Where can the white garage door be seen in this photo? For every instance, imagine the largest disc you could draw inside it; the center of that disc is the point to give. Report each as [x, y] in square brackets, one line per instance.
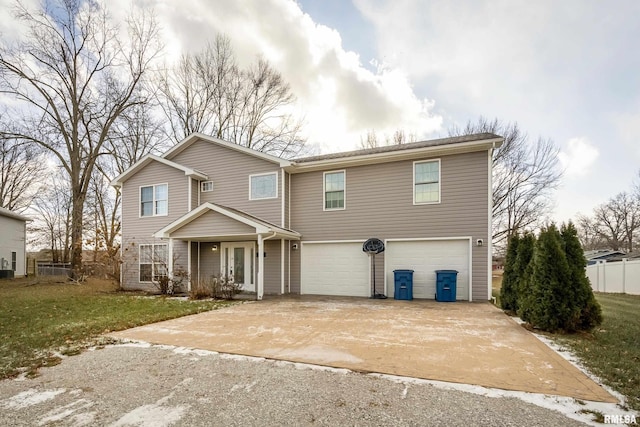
[334, 269]
[424, 257]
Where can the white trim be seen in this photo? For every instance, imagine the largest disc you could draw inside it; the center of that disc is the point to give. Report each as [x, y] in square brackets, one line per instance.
[170, 259]
[289, 204]
[188, 265]
[260, 284]
[435, 239]
[249, 250]
[289, 267]
[202, 183]
[282, 193]
[185, 143]
[189, 190]
[120, 179]
[282, 266]
[263, 174]
[324, 190]
[199, 254]
[153, 201]
[439, 182]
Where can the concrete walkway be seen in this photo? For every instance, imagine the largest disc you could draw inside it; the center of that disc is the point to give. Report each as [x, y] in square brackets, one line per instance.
[471, 343]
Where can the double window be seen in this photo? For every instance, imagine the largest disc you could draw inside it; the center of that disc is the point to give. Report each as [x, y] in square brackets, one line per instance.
[426, 182]
[334, 190]
[153, 262]
[263, 186]
[154, 200]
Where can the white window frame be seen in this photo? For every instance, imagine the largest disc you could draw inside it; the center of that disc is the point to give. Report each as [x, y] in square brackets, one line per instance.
[154, 212]
[153, 261]
[439, 181]
[204, 184]
[263, 174]
[324, 191]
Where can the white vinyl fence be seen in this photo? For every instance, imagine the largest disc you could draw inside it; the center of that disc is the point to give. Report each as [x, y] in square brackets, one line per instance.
[615, 277]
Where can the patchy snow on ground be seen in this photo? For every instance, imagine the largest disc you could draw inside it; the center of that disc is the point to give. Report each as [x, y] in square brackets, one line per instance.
[154, 415]
[30, 397]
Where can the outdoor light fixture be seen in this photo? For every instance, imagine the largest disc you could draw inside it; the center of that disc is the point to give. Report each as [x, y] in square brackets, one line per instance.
[214, 248]
[294, 246]
[479, 242]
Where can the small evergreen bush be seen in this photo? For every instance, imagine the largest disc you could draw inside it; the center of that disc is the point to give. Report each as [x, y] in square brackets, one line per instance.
[590, 313]
[524, 266]
[508, 291]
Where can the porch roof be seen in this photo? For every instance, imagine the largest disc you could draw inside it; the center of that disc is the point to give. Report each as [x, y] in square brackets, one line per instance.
[250, 226]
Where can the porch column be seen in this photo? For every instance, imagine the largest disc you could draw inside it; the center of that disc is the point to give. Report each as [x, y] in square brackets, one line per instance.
[260, 289]
[170, 259]
[189, 265]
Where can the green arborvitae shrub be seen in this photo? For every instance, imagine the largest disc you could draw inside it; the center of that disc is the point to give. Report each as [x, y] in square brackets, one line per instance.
[589, 314]
[508, 291]
[524, 266]
[551, 305]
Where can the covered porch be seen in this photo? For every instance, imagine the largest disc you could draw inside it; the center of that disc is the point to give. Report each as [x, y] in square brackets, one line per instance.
[222, 241]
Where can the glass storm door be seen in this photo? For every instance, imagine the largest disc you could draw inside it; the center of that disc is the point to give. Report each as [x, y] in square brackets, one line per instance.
[237, 262]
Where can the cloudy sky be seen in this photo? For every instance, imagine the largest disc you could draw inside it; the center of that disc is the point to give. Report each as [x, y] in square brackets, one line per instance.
[564, 70]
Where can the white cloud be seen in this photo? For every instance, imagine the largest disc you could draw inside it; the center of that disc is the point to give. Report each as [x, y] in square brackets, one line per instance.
[340, 98]
[577, 157]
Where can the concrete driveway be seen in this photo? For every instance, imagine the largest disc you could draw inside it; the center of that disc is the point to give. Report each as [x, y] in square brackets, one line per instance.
[471, 343]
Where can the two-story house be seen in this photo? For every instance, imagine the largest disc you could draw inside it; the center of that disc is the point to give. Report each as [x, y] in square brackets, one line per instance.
[209, 207]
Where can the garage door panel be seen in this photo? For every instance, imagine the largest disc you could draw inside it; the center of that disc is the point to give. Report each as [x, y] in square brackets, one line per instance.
[334, 269]
[425, 257]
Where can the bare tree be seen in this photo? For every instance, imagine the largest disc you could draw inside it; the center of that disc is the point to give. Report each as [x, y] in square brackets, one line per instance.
[133, 135]
[21, 168]
[589, 235]
[399, 136]
[53, 220]
[524, 176]
[615, 222]
[208, 92]
[73, 77]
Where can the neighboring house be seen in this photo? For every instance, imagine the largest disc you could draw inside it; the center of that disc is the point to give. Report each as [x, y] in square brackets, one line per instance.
[602, 255]
[13, 237]
[210, 207]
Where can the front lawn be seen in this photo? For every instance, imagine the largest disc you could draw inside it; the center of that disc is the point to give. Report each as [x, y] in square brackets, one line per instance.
[612, 351]
[39, 317]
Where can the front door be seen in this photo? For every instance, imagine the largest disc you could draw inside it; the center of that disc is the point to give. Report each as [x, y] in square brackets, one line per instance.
[237, 261]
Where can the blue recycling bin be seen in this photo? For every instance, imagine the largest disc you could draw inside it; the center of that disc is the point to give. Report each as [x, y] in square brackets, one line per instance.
[403, 281]
[446, 283]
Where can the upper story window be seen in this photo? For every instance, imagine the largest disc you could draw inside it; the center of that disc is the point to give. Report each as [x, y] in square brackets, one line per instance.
[426, 182]
[154, 200]
[334, 190]
[206, 186]
[263, 186]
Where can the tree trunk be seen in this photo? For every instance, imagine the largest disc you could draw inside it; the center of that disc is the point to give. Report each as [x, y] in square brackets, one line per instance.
[77, 223]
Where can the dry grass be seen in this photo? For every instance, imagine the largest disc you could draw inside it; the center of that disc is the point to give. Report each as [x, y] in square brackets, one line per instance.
[45, 316]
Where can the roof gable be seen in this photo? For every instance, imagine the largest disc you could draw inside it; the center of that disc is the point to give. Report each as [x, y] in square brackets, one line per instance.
[188, 141]
[136, 167]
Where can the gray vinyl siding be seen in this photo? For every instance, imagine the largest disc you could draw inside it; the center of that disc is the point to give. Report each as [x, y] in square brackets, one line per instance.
[212, 223]
[229, 170]
[137, 230]
[209, 260]
[379, 203]
[272, 267]
[295, 270]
